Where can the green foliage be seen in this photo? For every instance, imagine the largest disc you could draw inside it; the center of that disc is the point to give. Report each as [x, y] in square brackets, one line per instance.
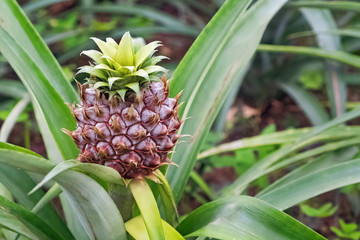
[311, 79]
[347, 230]
[325, 210]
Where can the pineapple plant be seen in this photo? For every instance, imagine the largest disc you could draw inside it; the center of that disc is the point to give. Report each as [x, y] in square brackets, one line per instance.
[126, 119]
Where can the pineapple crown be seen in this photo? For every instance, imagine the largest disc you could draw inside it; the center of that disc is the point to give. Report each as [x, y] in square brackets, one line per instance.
[124, 67]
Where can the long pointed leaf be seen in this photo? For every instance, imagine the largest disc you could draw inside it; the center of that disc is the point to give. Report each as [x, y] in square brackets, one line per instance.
[322, 20]
[309, 104]
[260, 167]
[311, 185]
[351, 59]
[56, 113]
[244, 218]
[33, 223]
[234, 37]
[316, 164]
[93, 204]
[334, 5]
[19, 27]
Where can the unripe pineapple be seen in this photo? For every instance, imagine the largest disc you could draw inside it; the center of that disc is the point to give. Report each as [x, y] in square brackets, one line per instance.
[126, 119]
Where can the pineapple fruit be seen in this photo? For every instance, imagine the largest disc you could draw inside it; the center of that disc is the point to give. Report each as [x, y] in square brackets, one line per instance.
[126, 120]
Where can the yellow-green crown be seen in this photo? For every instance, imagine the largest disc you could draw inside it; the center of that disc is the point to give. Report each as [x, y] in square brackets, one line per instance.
[123, 67]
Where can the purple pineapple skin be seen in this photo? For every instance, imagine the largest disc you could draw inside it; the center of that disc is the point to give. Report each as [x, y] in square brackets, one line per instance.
[133, 136]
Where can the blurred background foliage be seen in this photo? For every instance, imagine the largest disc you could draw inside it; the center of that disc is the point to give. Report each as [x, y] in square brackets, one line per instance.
[304, 73]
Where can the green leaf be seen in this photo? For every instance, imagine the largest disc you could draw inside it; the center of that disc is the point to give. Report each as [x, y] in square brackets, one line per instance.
[308, 103]
[21, 158]
[92, 71]
[124, 53]
[12, 88]
[56, 113]
[137, 229]
[314, 184]
[53, 192]
[348, 32]
[134, 86]
[351, 59]
[106, 49]
[95, 209]
[100, 84]
[260, 167]
[35, 5]
[23, 34]
[52, 150]
[316, 164]
[348, 230]
[145, 52]
[322, 20]
[105, 173]
[10, 212]
[92, 204]
[149, 211]
[245, 218]
[10, 121]
[202, 184]
[94, 55]
[123, 198]
[149, 12]
[325, 210]
[332, 146]
[111, 80]
[211, 68]
[140, 73]
[333, 5]
[170, 209]
[347, 227]
[277, 138]
[19, 183]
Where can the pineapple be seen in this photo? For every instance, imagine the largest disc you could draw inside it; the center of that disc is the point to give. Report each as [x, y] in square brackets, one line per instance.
[126, 120]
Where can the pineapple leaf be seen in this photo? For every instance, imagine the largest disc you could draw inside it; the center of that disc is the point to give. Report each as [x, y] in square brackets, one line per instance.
[112, 80]
[112, 62]
[92, 71]
[123, 71]
[102, 172]
[134, 86]
[11, 213]
[153, 61]
[145, 52]
[154, 69]
[224, 219]
[112, 42]
[124, 53]
[141, 73]
[214, 66]
[94, 55]
[122, 93]
[106, 49]
[104, 67]
[155, 79]
[100, 84]
[138, 43]
[112, 94]
[53, 192]
[170, 209]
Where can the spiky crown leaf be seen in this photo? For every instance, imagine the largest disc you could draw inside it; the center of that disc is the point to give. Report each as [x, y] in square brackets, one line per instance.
[123, 67]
